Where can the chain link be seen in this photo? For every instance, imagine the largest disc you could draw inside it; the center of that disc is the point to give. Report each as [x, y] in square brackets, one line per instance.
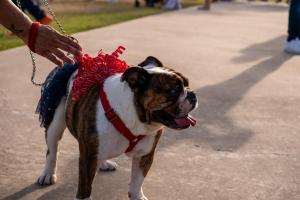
[34, 70]
[46, 4]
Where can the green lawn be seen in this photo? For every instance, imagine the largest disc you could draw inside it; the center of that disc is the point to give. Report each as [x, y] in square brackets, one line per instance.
[77, 16]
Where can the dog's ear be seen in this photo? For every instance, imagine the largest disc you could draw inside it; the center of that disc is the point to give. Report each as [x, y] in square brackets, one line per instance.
[136, 77]
[151, 61]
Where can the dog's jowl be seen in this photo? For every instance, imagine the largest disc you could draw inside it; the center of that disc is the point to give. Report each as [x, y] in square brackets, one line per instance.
[126, 113]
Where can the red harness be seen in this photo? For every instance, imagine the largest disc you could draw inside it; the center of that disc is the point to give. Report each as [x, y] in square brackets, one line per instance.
[94, 71]
[113, 117]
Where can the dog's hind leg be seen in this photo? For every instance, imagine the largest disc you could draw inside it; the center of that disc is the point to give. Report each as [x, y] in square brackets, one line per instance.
[87, 169]
[53, 134]
[87, 137]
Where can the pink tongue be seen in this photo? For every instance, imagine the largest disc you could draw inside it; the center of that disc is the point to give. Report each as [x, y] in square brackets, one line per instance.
[185, 121]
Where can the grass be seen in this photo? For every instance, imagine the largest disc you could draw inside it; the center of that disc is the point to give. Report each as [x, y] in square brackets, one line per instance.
[77, 16]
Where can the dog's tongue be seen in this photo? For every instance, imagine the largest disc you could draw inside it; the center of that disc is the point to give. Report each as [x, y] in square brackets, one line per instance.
[185, 121]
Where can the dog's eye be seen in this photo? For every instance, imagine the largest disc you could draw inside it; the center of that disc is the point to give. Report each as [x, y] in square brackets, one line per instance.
[175, 91]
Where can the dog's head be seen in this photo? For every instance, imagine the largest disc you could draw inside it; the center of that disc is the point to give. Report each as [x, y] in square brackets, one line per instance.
[161, 94]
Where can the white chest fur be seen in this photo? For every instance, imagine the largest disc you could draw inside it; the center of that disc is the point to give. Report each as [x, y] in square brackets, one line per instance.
[111, 142]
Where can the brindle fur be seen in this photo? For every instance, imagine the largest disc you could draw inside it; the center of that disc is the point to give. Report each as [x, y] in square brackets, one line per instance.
[81, 121]
[147, 160]
[184, 79]
[156, 97]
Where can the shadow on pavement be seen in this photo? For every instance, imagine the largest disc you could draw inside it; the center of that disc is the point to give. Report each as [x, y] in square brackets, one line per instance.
[65, 191]
[23, 192]
[215, 127]
[107, 185]
[262, 50]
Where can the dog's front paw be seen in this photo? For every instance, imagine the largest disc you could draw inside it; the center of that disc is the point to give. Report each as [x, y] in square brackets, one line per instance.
[47, 179]
[137, 197]
[108, 165]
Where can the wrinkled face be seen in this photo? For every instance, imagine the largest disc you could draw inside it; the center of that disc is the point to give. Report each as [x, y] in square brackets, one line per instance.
[161, 94]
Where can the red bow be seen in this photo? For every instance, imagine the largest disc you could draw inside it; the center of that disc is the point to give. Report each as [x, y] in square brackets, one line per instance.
[95, 70]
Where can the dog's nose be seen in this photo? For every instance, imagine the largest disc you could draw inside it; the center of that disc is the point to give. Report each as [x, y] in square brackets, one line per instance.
[192, 97]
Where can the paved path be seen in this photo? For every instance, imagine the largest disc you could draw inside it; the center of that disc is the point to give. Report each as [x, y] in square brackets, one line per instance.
[247, 144]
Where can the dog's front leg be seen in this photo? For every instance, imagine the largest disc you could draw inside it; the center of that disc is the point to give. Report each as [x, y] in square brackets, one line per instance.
[140, 169]
[137, 179]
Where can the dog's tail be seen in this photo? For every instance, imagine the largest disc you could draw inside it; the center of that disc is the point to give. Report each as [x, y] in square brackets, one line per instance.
[53, 90]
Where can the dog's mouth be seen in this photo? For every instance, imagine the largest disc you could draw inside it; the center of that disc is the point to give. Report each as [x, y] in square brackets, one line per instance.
[185, 121]
[174, 122]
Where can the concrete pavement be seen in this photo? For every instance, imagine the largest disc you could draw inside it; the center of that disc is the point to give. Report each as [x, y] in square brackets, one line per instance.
[246, 145]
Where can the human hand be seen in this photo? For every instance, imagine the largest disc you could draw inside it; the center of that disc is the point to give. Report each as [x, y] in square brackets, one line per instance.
[50, 44]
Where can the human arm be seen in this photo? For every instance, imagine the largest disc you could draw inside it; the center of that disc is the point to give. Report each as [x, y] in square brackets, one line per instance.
[49, 43]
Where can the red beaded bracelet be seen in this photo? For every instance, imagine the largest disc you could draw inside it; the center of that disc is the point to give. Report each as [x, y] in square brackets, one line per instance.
[32, 35]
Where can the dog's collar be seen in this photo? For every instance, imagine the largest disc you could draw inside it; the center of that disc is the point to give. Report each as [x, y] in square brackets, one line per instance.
[117, 122]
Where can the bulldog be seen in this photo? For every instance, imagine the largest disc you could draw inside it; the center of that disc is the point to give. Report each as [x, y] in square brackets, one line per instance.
[144, 99]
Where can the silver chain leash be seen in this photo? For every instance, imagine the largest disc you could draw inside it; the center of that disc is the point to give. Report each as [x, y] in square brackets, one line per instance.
[34, 70]
[50, 11]
[33, 60]
[46, 4]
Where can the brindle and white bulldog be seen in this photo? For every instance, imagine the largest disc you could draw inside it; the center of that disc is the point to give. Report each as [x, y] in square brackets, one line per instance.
[147, 98]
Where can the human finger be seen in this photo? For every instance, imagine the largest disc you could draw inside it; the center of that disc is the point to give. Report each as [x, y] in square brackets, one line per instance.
[58, 53]
[64, 46]
[52, 58]
[70, 41]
